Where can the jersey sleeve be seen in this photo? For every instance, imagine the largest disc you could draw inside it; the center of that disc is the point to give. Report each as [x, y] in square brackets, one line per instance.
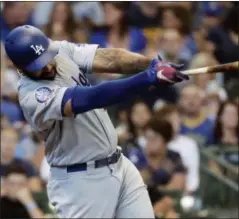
[43, 105]
[83, 55]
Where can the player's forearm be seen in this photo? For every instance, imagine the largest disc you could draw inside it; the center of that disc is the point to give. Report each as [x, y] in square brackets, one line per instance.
[119, 61]
[81, 99]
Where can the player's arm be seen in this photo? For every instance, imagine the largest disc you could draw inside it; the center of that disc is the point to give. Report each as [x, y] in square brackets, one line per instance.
[121, 61]
[81, 99]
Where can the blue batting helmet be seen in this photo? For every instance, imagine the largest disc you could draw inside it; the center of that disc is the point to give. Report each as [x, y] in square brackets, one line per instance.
[29, 49]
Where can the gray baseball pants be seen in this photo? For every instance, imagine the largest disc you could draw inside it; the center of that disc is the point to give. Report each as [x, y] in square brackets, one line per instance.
[115, 191]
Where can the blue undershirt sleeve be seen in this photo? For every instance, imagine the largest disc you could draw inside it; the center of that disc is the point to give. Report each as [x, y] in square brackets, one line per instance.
[106, 94]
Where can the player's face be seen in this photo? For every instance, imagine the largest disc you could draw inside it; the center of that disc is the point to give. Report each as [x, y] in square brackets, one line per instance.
[47, 73]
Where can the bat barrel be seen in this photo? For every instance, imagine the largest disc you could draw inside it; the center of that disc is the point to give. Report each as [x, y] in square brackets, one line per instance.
[213, 69]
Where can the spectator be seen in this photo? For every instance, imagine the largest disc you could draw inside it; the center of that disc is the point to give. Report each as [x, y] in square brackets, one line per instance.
[177, 17]
[226, 136]
[29, 145]
[207, 82]
[226, 130]
[139, 115]
[180, 18]
[171, 45]
[212, 13]
[11, 110]
[163, 169]
[41, 13]
[14, 14]
[117, 32]
[9, 78]
[9, 140]
[212, 104]
[122, 128]
[62, 25]
[9, 99]
[165, 4]
[232, 90]
[225, 40]
[195, 121]
[3, 64]
[17, 201]
[144, 15]
[189, 151]
[89, 10]
[4, 122]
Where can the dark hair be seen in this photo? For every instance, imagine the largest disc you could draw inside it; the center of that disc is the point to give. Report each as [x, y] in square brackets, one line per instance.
[124, 21]
[166, 110]
[230, 20]
[70, 23]
[132, 128]
[185, 17]
[162, 127]
[218, 124]
[15, 168]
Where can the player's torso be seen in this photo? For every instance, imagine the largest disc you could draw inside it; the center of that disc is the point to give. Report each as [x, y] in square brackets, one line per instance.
[88, 136]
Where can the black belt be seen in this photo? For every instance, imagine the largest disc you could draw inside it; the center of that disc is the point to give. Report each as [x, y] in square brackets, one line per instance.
[97, 164]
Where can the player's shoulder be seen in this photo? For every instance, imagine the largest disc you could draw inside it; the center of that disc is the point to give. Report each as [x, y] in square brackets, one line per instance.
[26, 84]
[29, 89]
[64, 46]
[69, 46]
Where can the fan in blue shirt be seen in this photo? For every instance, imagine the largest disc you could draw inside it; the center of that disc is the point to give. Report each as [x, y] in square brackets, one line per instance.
[117, 32]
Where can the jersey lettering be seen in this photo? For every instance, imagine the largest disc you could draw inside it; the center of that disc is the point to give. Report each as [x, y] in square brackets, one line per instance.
[38, 49]
[81, 80]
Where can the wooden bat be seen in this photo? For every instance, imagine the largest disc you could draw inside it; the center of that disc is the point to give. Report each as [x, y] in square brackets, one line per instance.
[232, 66]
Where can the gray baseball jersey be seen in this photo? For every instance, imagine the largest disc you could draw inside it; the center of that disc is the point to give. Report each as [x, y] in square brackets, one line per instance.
[68, 140]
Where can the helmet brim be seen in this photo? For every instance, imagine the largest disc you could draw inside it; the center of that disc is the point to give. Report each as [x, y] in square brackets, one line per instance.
[44, 59]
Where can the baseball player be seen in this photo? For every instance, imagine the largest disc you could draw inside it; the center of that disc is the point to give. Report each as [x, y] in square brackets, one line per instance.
[90, 178]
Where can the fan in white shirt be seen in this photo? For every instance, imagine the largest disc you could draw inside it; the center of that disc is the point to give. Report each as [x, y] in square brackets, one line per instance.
[185, 146]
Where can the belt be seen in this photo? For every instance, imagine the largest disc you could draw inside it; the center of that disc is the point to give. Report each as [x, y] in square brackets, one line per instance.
[97, 164]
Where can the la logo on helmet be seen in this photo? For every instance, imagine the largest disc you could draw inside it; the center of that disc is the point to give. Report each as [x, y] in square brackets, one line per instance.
[38, 49]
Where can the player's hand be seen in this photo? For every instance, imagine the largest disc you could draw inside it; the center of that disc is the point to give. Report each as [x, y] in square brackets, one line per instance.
[166, 72]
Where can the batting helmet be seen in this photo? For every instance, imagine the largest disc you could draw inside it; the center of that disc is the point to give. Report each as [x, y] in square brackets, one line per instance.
[29, 49]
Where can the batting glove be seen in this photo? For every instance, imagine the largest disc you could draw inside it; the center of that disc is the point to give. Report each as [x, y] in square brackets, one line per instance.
[165, 72]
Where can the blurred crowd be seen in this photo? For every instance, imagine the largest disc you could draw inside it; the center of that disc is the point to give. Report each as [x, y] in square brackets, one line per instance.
[161, 132]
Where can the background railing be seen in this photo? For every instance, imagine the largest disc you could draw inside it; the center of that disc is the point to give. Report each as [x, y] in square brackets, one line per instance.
[219, 190]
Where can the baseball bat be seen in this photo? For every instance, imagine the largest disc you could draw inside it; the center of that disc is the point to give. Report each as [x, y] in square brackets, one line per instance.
[232, 66]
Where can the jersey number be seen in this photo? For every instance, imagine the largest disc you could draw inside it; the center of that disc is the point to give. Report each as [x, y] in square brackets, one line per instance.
[82, 80]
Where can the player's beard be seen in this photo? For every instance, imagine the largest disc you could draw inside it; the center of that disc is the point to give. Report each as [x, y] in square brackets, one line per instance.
[44, 76]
